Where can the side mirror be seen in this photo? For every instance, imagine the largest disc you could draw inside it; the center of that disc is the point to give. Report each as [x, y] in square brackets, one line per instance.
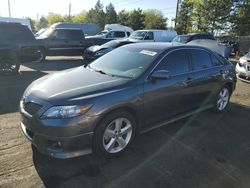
[160, 75]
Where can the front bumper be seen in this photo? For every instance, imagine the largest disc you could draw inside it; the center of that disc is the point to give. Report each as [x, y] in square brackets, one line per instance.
[59, 138]
[243, 72]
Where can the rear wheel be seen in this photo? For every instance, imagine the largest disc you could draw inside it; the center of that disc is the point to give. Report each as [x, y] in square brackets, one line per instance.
[222, 100]
[114, 134]
[9, 63]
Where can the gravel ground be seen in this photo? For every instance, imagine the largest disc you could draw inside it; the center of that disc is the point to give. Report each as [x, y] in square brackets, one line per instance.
[206, 150]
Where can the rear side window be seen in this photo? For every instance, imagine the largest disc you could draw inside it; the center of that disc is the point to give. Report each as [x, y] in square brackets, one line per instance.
[14, 33]
[74, 34]
[116, 34]
[149, 36]
[200, 59]
[216, 61]
[176, 63]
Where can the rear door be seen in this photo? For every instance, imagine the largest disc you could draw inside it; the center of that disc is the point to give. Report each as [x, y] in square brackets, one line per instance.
[164, 99]
[57, 43]
[75, 41]
[207, 74]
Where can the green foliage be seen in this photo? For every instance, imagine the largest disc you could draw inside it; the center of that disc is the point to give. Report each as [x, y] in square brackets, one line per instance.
[123, 17]
[136, 19]
[241, 18]
[54, 18]
[154, 19]
[42, 23]
[79, 18]
[111, 15]
[96, 15]
[184, 17]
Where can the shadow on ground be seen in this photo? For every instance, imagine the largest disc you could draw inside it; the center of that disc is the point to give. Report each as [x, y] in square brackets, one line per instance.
[206, 150]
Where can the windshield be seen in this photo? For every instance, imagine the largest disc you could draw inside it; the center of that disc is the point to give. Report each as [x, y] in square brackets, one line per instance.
[181, 39]
[46, 33]
[110, 44]
[138, 35]
[124, 62]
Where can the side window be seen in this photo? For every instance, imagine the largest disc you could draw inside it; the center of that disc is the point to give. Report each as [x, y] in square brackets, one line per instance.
[119, 34]
[149, 36]
[216, 61]
[200, 59]
[74, 34]
[59, 34]
[128, 34]
[176, 63]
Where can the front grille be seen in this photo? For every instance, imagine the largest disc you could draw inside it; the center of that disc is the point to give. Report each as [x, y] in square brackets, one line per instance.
[31, 108]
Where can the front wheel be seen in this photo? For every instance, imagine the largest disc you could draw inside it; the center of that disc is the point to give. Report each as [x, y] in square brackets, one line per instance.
[114, 134]
[222, 100]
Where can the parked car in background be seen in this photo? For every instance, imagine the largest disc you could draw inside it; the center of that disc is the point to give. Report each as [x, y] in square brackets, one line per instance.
[193, 36]
[96, 51]
[152, 36]
[133, 89]
[87, 28]
[17, 45]
[61, 42]
[243, 68]
[113, 31]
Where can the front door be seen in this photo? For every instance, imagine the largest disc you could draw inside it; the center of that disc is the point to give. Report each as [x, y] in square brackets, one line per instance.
[165, 99]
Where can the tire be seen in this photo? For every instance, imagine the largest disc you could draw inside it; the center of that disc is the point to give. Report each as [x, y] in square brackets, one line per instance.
[10, 63]
[42, 55]
[222, 99]
[114, 133]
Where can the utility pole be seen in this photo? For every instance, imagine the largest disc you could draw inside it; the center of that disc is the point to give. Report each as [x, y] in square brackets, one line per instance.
[9, 8]
[69, 10]
[177, 11]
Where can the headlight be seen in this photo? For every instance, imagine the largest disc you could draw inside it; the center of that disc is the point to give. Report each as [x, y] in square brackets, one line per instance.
[99, 53]
[59, 112]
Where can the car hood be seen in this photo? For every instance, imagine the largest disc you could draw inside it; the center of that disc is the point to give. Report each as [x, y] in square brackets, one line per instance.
[94, 48]
[72, 84]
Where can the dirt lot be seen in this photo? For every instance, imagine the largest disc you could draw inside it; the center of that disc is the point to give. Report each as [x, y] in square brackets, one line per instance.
[207, 150]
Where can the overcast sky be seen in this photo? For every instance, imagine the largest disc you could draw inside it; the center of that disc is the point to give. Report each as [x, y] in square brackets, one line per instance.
[32, 8]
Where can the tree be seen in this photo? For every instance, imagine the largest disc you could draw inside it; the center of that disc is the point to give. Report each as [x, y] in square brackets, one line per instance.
[79, 18]
[154, 19]
[211, 15]
[96, 15]
[184, 17]
[42, 23]
[241, 18]
[54, 18]
[136, 19]
[32, 24]
[111, 15]
[122, 17]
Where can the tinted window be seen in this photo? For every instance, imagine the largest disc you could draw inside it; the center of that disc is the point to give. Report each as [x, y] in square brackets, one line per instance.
[13, 33]
[200, 59]
[74, 34]
[59, 34]
[128, 34]
[215, 60]
[116, 34]
[176, 63]
[149, 36]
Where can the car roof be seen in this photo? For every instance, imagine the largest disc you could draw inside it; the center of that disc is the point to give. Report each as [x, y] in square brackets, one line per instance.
[77, 29]
[163, 46]
[10, 23]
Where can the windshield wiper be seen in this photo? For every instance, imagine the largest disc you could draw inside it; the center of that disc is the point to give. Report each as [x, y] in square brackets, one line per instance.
[100, 71]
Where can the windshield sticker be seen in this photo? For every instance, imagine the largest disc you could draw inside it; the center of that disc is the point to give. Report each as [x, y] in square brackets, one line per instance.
[147, 52]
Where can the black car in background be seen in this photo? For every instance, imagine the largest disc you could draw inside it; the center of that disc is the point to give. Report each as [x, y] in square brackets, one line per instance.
[96, 51]
[17, 44]
[61, 42]
[132, 89]
[193, 36]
